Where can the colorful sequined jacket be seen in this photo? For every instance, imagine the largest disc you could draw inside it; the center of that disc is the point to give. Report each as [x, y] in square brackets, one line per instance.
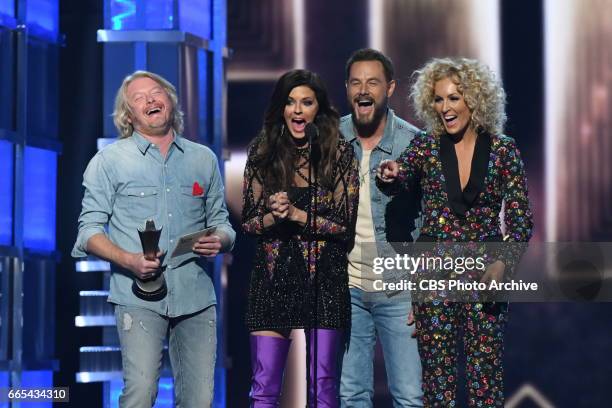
[449, 214]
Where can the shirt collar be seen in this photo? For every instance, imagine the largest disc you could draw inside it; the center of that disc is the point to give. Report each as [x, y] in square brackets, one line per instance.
[351, 135]
[179, 142]
[143, 144]
[386, 143]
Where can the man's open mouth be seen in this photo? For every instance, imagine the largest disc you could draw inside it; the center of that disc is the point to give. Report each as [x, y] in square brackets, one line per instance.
[365, 106]
[365, 102]
[153, 110]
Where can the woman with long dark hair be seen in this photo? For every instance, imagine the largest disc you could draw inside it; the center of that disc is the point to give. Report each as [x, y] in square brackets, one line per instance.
[470, 173]
[303, 223]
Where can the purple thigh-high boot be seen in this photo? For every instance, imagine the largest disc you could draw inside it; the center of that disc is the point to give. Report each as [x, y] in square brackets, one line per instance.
[325, 343]
[268, 359]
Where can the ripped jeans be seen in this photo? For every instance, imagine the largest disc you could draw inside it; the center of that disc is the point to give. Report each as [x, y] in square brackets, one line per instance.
[192, 346]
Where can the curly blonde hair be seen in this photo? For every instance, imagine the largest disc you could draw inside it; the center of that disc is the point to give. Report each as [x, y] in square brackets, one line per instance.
[482, 91]
[123, 111]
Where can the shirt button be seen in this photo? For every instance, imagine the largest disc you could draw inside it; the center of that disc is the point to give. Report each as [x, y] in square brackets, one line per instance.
[141, 193]
[170, 215]
[171, 241]
[168, 190]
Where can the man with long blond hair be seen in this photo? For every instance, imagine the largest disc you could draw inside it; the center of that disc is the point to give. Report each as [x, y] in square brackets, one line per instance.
[152, 173]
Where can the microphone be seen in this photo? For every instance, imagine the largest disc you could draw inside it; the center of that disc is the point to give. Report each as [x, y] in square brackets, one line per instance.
[312, 134]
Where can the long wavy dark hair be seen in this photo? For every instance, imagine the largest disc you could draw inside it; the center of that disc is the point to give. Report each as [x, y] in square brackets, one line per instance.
[276, 154]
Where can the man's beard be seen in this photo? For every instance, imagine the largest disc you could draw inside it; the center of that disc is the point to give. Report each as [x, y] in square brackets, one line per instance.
[367, 129]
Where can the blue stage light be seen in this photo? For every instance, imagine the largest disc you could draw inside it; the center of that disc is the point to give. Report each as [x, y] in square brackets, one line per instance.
[122, 11]
[40, 184]
[194, 16]
[44, 14]
[140, 15]
[37, 379]
[7, 7]
[6, 193]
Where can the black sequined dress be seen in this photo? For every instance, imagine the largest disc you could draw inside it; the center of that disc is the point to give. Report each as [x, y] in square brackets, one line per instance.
[287, 289]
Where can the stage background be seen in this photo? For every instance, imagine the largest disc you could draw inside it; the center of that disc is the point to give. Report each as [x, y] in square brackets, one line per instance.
[556, 69]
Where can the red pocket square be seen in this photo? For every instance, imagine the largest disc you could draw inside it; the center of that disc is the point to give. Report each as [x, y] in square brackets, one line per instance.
[197, 189]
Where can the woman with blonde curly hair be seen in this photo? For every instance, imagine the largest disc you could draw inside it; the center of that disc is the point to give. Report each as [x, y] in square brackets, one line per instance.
[466, 169]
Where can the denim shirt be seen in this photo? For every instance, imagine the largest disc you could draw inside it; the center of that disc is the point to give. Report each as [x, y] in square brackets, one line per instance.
[129, 182]
[395, 219]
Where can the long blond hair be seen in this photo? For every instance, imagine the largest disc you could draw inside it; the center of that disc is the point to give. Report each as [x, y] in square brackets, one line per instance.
[122, 112]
